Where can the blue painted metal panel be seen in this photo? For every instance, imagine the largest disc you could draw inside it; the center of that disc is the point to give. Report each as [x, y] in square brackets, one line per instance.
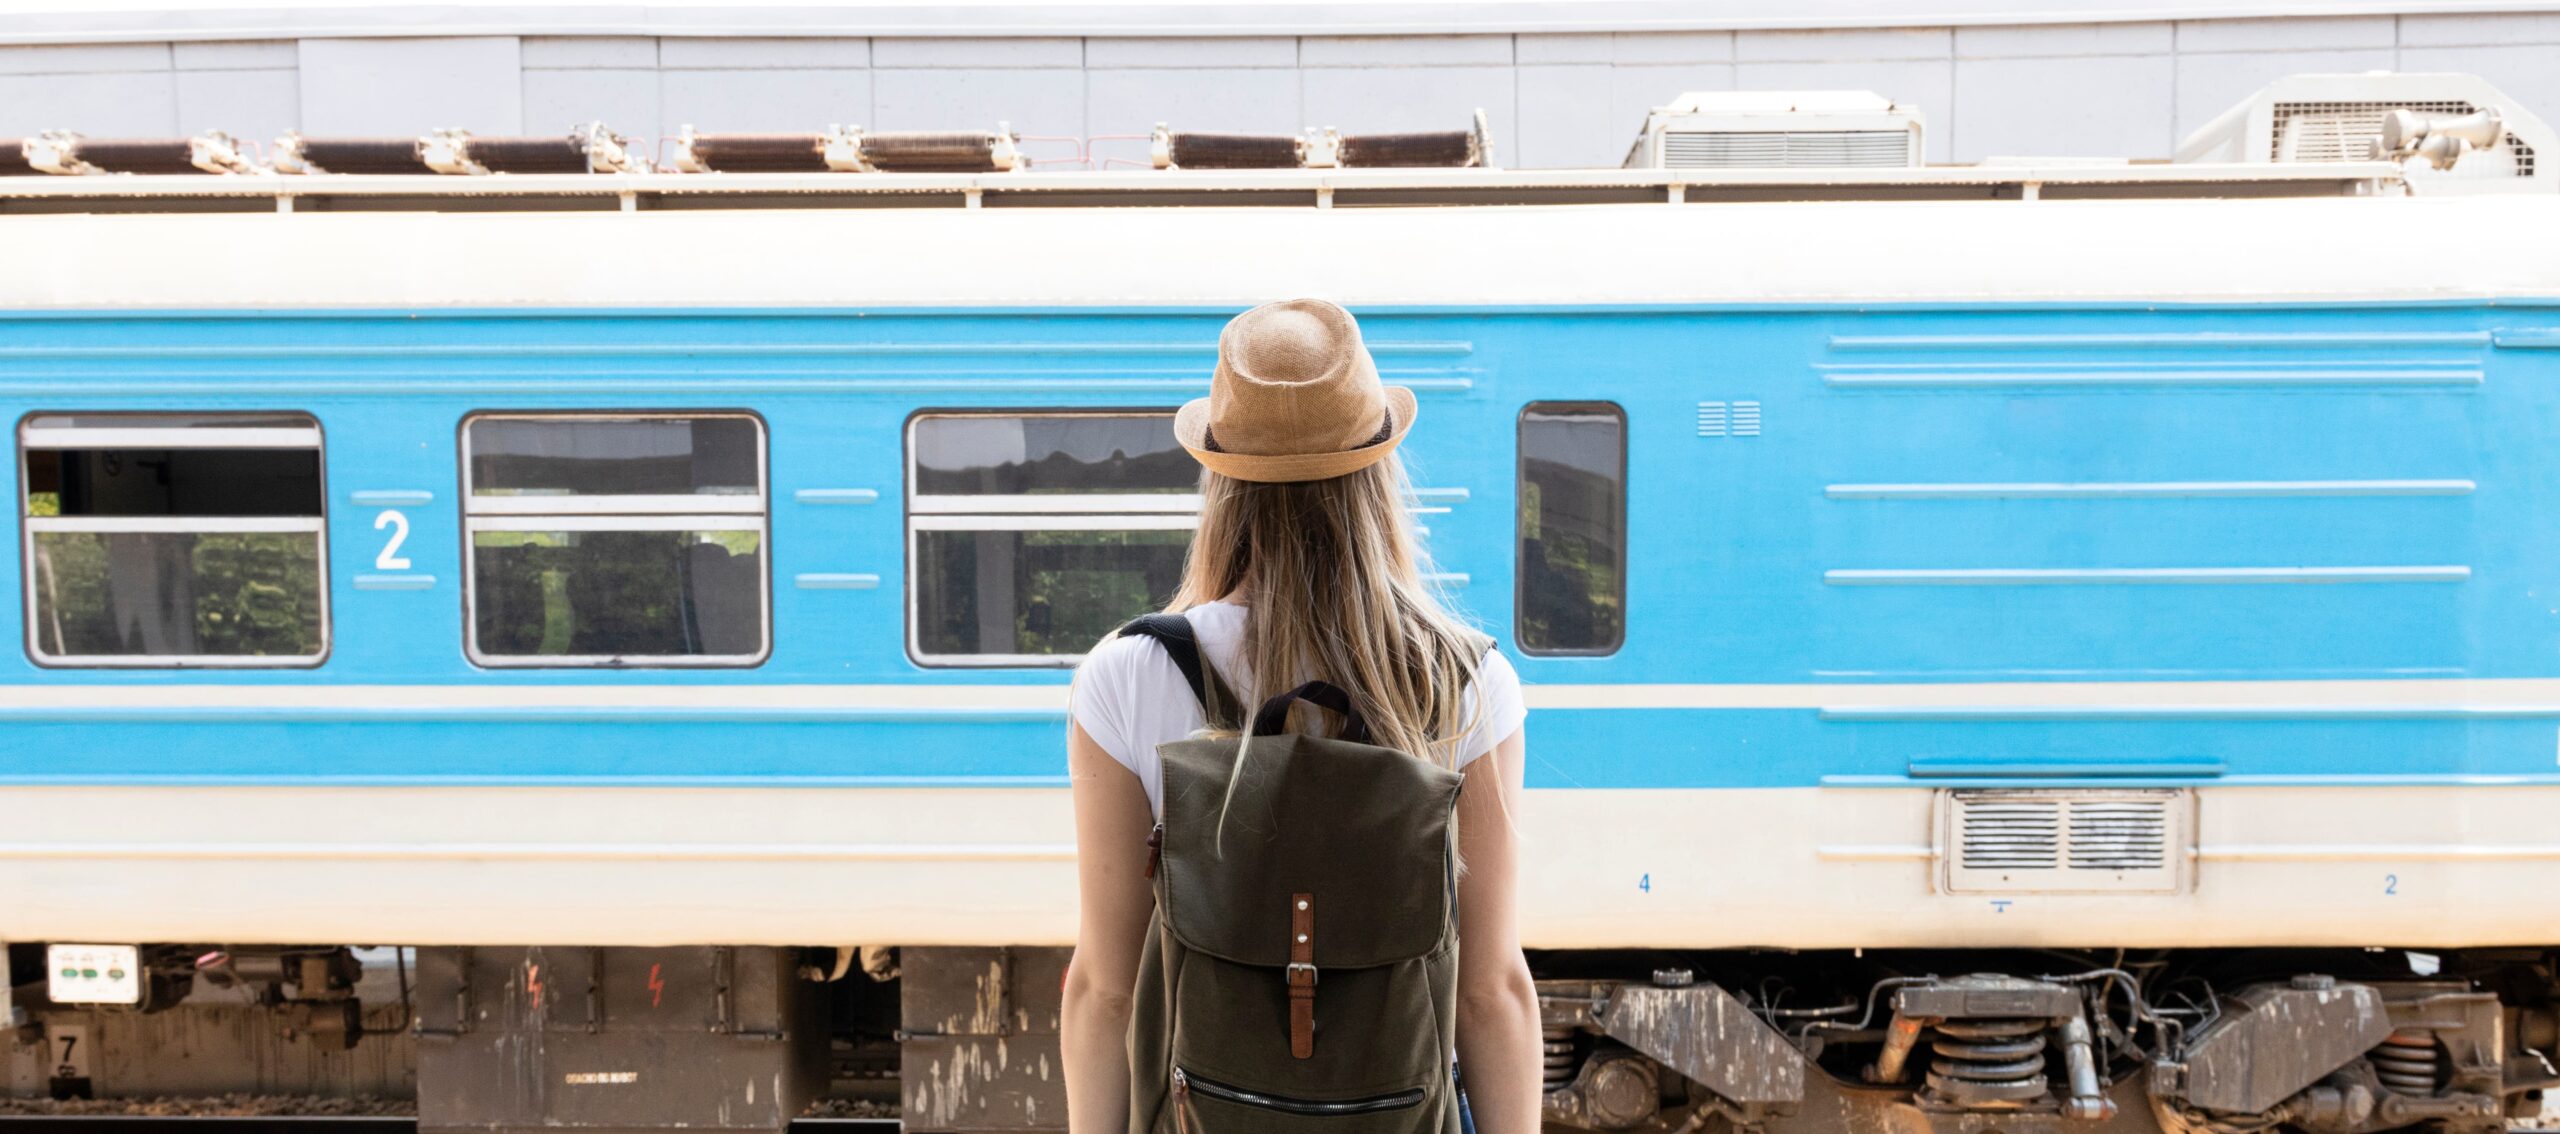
[2381, 475]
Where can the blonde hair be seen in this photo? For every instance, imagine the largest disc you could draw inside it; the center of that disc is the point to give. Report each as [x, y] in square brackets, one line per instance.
[1333, 580]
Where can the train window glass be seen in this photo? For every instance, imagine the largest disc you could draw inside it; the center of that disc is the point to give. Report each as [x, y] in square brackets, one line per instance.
[1034, 534]
[634, 459]
[168, 540]
[1573, 528]
[616, 539]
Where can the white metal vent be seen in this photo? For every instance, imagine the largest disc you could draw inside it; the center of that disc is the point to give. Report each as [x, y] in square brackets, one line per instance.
[1785, 149]
[1779, 130]
[1728, 419]
[2065, 840]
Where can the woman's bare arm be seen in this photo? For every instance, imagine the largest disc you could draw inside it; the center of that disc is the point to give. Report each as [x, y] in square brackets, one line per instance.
[1498, 1048]
[1112, 821]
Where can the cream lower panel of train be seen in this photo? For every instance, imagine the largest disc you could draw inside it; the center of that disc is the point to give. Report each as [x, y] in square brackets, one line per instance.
[1807, 868]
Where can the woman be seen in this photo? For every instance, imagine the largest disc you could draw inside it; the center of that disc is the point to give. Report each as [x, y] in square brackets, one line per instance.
[1304, 567]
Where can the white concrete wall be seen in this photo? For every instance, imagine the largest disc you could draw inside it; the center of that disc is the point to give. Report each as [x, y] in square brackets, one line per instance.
[2117, 89]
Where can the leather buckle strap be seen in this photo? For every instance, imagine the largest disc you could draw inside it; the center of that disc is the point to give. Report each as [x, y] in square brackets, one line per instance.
[1302, 975]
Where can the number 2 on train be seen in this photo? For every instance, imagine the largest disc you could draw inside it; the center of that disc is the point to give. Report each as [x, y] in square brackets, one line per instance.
[391, 559]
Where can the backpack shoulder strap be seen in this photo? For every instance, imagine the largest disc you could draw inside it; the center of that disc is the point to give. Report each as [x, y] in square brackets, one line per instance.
[1173, 632]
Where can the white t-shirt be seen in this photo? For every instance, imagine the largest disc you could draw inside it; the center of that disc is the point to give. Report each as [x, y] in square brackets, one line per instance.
[1130, 698]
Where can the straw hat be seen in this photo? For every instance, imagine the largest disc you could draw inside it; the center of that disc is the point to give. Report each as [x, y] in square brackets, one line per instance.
[1295, 397]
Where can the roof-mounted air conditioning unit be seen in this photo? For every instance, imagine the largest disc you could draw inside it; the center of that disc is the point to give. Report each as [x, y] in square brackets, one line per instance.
[1779, 130]
[2452, 132]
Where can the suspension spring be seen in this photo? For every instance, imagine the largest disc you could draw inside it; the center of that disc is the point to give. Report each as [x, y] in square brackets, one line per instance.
[2410, 1062]
[1988, 1063]
[1561, 1066]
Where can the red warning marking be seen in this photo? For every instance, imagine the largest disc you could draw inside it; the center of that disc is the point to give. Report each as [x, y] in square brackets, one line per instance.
[533, 983]
[657, 987]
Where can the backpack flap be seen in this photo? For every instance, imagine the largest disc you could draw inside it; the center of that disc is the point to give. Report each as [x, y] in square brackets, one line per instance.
[1359, 833]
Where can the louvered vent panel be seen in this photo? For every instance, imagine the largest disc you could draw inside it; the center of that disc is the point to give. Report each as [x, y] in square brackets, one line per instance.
[2119, 834]
[2010, 834]
[1746, 419]
[1785, 149]
[1714, 420]
[1728, 419]
[2065, 841]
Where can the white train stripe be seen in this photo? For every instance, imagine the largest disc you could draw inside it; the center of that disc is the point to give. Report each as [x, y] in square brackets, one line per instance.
[2410, 694]
[672, 852]
[2201, 251]
[2255, 852]
[553, 852]
[1697, 868]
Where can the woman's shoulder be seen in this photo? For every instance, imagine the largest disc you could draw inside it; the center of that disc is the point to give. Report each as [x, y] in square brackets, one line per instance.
[1124, 663]
[1497, 683]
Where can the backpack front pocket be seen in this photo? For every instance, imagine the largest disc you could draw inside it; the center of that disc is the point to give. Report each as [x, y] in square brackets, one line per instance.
[1376, 1029]
[1214, 1107]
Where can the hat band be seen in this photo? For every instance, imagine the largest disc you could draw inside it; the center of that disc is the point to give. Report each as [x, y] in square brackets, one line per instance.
[1209, 436]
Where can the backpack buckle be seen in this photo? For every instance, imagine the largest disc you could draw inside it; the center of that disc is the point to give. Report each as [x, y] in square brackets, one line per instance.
[1302, 975]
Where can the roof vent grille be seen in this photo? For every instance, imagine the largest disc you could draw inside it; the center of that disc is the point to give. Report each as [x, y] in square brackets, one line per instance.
[2349, 131]
[1779, 130]
[2470, 136]
[1787, 149]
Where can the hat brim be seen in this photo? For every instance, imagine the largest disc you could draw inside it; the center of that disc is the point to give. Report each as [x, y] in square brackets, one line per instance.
[1191, 428]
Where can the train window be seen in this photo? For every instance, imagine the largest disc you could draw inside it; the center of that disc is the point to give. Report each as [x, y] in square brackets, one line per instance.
[616, 539]
[167, 539]
[1573, 528]
[1033, 535]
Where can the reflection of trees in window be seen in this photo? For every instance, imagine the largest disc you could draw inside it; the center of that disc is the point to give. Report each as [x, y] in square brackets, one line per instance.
[1037, 534]
[603, 539]
[1572, 585]
[1039, 592]
[618, 593]
[243, 594]
[174, 539]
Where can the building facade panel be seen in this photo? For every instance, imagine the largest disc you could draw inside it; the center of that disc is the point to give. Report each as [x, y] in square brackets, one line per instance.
[254, 106]
[1250, 100]
[410, 86]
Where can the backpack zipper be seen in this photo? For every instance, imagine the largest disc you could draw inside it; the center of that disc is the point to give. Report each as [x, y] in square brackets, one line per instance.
[1181, 1102]
[1155, 849]
[1184, 1084]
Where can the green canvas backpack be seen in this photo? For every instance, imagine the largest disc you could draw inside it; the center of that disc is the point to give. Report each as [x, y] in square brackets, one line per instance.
[1299, 973]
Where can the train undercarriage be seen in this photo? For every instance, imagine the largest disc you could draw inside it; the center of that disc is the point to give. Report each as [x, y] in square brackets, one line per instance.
[2219, 1041]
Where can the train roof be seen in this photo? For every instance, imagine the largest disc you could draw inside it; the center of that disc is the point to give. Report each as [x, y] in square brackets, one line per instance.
[2096, 234]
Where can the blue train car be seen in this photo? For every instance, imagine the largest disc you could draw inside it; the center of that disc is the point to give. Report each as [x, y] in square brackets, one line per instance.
[2143, 603]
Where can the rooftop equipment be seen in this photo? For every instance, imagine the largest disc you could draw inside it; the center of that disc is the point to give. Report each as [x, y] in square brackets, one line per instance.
[1325, 148]
[590, 148]
[2450, 132]
[66, 152]
[1779, 130]
[845, 149]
